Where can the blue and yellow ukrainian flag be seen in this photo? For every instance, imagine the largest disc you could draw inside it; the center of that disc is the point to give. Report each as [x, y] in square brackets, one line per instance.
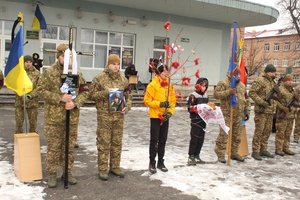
[16, 77]
[39, 21]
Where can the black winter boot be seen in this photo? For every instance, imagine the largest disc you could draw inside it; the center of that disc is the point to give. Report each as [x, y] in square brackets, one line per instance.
[152, 168]
[161, 165]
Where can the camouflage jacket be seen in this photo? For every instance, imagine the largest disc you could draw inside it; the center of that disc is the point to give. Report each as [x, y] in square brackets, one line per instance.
[260, 88]
[33, 102]
[222, 92]
[286, 94]
[49, 89]
[102, 83]
[1, 79]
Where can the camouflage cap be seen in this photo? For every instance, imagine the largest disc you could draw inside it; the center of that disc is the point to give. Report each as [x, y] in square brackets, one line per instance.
[270, 68]
[61, 49]
[27, 58]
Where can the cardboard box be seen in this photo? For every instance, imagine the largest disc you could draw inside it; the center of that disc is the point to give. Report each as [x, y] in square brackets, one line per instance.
[27, 157]
[133, 79]
[243, 147]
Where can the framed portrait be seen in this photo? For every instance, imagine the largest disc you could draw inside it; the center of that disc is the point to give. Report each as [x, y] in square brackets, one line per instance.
[116, 100]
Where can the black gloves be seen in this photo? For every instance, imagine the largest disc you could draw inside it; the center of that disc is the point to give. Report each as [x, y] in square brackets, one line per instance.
[165, 104]
[167, 116]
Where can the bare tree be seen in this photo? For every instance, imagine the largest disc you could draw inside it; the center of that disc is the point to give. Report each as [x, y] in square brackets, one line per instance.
[292, 8]
[256, 57]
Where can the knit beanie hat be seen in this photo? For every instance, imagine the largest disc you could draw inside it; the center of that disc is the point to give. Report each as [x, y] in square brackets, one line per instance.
[61, 49]
[27, 58]
[270, 68]
[113, 58]
[287, 77]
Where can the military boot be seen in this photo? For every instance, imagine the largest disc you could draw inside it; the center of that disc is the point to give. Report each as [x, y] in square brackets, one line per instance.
[288, 152]
[117, 172]
[237, 157]
[52, 181]
[256, 156]
[265, 153]
[71, 179]
[221, 159]
[161, 165]
[103, 175]
[191, 161]
[198, 160]
[296, 141]
[152, 167]
[279, 152]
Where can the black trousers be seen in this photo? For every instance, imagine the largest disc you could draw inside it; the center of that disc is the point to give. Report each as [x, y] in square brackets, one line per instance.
[197, 137]
[158, 138]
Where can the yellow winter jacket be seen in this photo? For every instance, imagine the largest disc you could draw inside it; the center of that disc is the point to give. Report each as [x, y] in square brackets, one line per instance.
[155, 93]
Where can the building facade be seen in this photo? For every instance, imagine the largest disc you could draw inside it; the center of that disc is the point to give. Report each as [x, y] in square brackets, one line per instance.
[134, 30]
[278, 47]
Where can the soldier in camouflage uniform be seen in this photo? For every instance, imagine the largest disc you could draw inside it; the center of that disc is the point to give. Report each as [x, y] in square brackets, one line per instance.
[263, 118]
[1, 79]
[110, 124]
[285, 117]
[56, 104]
[297, 120]
[223, 91]
[31, 100]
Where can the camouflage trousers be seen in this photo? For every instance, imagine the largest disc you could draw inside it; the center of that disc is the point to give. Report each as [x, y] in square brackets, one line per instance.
[32, 114]
[284, 128]
[222, 139]
[263, 127]
[55, 138]
[109, 140]
[297, 127]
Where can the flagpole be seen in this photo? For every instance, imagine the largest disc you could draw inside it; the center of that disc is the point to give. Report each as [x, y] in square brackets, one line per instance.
[24, 112]
[230, 138]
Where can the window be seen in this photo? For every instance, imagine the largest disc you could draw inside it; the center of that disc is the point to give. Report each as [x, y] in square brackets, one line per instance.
[275, 62]
[51, 38]
[297, 63]
[103, 43]
[296, 78]
[285, 62]
[287, 46]
[159, 49]
[276, 47]
[5, 37]
[297, 46]
[266, 47]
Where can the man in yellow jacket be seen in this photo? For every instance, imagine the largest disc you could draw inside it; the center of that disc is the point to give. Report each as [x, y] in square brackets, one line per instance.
[161, 99]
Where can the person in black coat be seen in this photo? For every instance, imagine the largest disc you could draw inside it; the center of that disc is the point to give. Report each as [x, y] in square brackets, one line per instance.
[130, 70]
[198, 126]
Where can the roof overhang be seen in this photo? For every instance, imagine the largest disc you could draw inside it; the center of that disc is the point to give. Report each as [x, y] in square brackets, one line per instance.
[225, 11]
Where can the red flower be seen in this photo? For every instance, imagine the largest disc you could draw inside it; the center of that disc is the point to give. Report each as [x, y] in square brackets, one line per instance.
[196, 61]
[163, 83]
[167, 25]
[185, 80]
[175, 64]
[197, 74]
[167, 50]
[161, 118]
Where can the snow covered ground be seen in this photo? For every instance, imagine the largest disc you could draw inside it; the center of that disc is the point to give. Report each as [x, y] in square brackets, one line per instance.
[274, 179]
